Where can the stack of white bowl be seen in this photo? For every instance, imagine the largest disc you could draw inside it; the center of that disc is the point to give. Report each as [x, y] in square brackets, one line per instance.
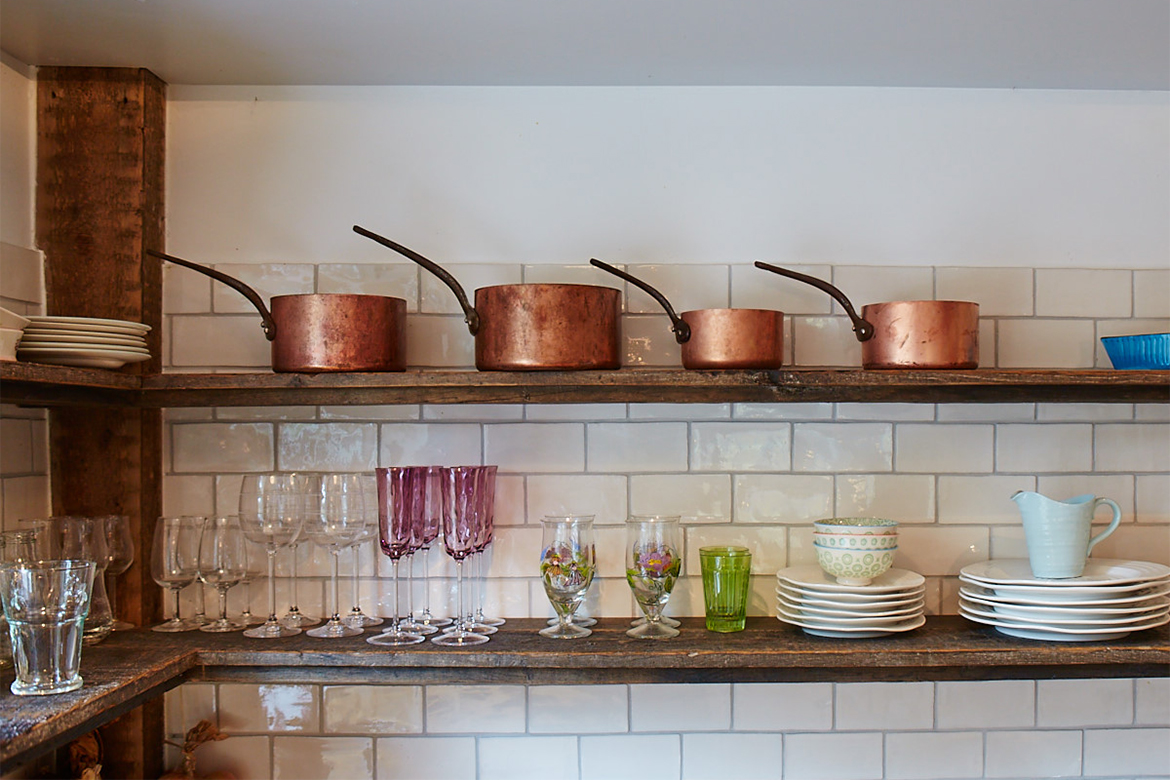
[11, 329]
[855, 550]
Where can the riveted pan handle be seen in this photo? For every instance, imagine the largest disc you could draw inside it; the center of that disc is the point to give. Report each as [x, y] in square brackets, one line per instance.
[267, 322]
[682, 331]
[470, 315]
[861, 327]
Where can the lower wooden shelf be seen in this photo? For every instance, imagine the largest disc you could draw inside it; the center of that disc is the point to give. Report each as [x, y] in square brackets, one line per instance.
[135, 666]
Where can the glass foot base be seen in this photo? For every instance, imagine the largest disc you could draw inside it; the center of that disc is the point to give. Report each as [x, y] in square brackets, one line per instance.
[395, 638]
[273, 630]
[650, 630]
[222, 626]
[459, 639]
[298, 620]
[565, 631]
[334, 629]
[175, 626]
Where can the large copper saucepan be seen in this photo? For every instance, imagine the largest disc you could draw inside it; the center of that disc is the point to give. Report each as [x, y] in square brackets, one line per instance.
[321, 332]
[907, 334]
[719, 338]
[534, 327]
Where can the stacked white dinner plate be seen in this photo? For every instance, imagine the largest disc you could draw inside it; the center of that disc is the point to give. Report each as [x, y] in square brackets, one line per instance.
[892, 604]
[83, 341]
[1111, 599]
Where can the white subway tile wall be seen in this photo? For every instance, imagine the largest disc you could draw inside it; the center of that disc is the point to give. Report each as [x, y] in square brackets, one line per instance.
[759, 473]
[886, 731]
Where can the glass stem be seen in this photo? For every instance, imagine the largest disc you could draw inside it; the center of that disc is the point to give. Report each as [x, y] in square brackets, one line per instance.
[426, 553]
[336, 587]
[461, 619]
[222, 604]
[356, 587]
[394, 568]
[293, 571]
[110, 596]
[410, 588]
[175, 613]
[271, 584]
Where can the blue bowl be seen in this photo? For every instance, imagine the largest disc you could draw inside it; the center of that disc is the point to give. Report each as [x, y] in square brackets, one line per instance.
[1148, 351]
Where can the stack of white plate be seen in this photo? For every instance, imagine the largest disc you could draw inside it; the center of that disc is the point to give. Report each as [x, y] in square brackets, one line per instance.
[83, 341]
[1111, 599]
[892, 604]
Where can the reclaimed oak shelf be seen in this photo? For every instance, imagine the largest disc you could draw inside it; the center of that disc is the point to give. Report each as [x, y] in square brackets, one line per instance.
[131, 667]
[34, 384]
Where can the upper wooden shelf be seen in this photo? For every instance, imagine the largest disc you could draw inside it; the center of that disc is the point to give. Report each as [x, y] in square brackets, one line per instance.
[41, 385]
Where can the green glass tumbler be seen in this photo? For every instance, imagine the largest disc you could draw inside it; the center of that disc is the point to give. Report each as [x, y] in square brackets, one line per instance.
[726, 584]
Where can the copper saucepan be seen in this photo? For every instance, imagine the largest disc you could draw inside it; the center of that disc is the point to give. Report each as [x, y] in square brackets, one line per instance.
[322, 332]
[719, 338]
[907, 334]
[534, 327]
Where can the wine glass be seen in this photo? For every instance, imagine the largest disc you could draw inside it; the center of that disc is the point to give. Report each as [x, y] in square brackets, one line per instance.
[223, 561]
[567, 565]
[653, 561]
[396, 499]
[120, 545]
[355, 616]
[84, 538]
[428, 520]
[255, 569]
[273, 518]
[174, 562]
[336, 521]
[460, 494]
[256, 490]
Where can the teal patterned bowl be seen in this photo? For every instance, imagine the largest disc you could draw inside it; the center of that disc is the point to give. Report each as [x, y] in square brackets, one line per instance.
[852, 567]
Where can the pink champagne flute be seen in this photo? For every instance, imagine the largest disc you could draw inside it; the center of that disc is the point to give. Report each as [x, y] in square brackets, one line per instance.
[460, 494]
[419, 495]
[485, 513]
[395, 512]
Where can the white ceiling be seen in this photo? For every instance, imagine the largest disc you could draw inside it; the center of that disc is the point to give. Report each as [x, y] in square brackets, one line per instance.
[1050, 44]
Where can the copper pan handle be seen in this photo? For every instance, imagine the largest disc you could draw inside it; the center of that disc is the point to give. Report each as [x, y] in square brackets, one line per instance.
[682, 331]
[861, 327]
[470, 315]
[267, 322]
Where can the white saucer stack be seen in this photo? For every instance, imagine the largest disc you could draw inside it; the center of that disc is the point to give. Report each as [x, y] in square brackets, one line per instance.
[892, 604]
[83, 341]
[1111, 599]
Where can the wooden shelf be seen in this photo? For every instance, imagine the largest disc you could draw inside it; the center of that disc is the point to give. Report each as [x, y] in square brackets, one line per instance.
[133, 666]
[34, 384]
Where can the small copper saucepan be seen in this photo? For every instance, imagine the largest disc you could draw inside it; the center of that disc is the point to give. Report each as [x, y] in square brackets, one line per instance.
[719, 338]
[907, 334]
[323, 332]
[534, 327]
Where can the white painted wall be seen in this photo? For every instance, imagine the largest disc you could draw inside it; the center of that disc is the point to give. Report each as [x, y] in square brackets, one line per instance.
[833, 176]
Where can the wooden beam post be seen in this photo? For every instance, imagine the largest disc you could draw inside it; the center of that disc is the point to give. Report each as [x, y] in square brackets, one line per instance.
[100, 162]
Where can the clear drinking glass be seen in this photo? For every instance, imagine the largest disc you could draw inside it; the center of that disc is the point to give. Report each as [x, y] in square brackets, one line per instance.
[84, 538]
[273, 518]
[338, 521]
[460, 497]
[355, 617]
[120, 544]
[567, 565]
[653, 563]
[174, 562]
[223, 561]
[396, 500]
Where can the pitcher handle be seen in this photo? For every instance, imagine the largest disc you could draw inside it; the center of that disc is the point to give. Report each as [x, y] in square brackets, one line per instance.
[1112, 526]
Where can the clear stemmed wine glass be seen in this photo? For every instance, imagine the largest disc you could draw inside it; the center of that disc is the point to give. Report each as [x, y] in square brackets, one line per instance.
[484, 532]
[396, 500]
[223, 560]
[339, 518]
[254, 570]
[355, 617]
[273, 518]
[653, 562]
[460, 494]
[120, 544]
[255, 492]
[174, 562]
[567, 564]
[428, 520]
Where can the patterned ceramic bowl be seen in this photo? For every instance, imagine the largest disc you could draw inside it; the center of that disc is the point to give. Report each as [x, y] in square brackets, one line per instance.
[856, 525]
[854, 567]
[856, 541]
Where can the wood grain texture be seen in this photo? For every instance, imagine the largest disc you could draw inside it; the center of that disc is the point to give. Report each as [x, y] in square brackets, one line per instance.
[100, 161]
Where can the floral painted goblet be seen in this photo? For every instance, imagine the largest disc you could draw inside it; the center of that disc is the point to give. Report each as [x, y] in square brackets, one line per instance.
[653, 562]
[567, 565]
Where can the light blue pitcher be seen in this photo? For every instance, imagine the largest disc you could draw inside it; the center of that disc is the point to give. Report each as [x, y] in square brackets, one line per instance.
[1058, 532]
